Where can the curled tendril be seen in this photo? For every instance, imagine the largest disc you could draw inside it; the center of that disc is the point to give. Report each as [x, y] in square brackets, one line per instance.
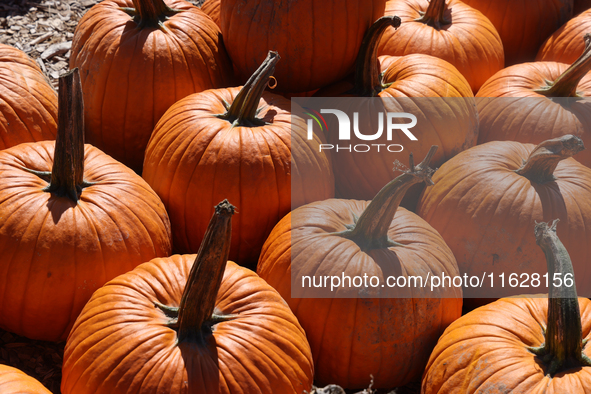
[269, 82]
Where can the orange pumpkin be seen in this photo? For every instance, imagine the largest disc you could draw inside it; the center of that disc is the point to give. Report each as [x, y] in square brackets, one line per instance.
[519, 345]
[519, 103]
[212, 8]
[355, 334]
[318, 39]
[567, 43]
[289, 96]
[136, 59]
[69, 222]
[240, 143]
[449, 30]
[14, 381]
[486, 198]
[524, 24]
[28, 103]
[430, 88]
[188, 324]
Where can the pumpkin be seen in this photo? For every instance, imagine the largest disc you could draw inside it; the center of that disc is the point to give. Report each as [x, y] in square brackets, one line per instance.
[449, 30]
[519, 345]
[318, 39]
[430, 88]
[537, 101]
[289, 96]
[14, 381]
[524, 24]
[357, 332]
[28, 103]
[136, 62]
[567, 43]
[212, 8]
[486, 198]
[71, 218]
[236, 142]
[581, 6]
[188, 324]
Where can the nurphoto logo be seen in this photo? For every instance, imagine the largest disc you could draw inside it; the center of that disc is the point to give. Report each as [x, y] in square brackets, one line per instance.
[344, 129]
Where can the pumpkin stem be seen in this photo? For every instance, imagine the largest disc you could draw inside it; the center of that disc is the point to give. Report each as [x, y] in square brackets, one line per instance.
[67, 173]
[150, 13]
[371, 229]
[563, 346]
[541, 163]
[566, 84]
[198, 301]
[435, 15]
[368, 81]
[245, 106]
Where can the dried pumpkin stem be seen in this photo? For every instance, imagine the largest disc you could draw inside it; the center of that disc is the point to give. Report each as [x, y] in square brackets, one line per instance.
[542, 161]
[563, 346]
[198, 301]
[371, 229]
[68, 163]
[150, 13]
[368, 82]
[435, 15]
[244, 108]
[566, 84]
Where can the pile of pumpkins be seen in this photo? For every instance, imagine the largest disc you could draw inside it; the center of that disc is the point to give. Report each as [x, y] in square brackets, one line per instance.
[164, 156]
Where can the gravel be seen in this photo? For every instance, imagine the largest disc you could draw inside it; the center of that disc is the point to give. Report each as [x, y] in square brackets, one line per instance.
[44, 29]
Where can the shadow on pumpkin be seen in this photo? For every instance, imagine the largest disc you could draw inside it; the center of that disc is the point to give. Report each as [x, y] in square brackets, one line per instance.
[569, 370]
[270, 115]
[57, 206]
[553, 204]
[201, 364]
